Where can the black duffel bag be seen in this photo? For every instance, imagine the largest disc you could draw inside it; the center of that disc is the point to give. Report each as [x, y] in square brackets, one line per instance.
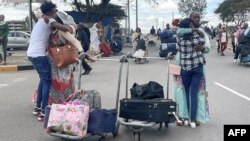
[150, 90]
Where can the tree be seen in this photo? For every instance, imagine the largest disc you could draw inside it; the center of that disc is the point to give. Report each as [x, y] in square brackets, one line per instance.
[78, 5]
[115, 11]
[234, 11]
[104, 7]
[185, 7]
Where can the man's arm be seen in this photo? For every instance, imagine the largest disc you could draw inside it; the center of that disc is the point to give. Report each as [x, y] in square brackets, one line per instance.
[207, 45]
[59, 26]
[182, 31]
[54, 24]
[70, 38]
[34, 17]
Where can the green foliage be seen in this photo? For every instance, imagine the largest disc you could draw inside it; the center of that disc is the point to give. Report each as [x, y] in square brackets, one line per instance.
[115, 11]
[234, 11]
[185, 7]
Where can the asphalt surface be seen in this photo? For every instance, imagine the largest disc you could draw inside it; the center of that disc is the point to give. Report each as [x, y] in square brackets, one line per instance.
[228, 87]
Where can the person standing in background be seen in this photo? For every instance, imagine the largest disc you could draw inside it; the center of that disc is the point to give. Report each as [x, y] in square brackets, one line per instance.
[84, 38]
[212, 32]
[223, 40]
[233, 39]
[4, 31]
[152, 30]
[168, 26]
[135, 37]
[94, 39]
[218, 37]
[159, 33]
[239, 34]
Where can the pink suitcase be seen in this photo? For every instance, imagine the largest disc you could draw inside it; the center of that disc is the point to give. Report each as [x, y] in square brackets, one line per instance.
[70, 119]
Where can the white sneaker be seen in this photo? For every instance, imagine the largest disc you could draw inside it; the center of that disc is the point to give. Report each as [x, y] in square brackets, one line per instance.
[235, 60]
[192, 124]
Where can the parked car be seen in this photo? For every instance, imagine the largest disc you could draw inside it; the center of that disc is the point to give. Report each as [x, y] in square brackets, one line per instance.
[18, 40]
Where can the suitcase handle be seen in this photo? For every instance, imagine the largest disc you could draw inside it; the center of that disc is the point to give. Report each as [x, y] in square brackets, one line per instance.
[122, 60]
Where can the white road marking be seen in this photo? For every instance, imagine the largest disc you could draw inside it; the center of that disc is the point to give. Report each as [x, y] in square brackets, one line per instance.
[19, 79]
[232, 91]
[13, 83]
[3, 85]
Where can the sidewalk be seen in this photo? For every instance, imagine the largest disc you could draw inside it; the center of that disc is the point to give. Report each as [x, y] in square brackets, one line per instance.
[16, 62]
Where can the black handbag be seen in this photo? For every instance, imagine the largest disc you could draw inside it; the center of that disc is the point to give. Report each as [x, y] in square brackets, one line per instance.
[150, 90]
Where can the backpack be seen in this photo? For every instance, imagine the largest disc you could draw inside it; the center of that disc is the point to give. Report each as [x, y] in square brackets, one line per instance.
[165, 35]
[116, 44]
[141, 44]
[244, 38]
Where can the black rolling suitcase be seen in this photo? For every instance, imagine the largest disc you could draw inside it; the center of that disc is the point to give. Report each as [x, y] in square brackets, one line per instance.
[152, 110]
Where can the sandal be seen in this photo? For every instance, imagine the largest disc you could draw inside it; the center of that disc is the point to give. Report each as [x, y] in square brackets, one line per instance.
[179, 123]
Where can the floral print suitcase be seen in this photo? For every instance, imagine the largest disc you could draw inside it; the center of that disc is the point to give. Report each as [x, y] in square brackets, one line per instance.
[69, 118]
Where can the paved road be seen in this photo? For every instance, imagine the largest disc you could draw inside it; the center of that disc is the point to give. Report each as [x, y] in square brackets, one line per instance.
[228, 83]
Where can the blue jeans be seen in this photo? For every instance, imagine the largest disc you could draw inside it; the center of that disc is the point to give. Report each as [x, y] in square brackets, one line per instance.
[43, 68]
[191, 81]
[237, 53]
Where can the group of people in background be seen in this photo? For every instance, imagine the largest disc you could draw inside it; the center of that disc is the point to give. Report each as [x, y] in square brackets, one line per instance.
[223, 33]
[237, 33]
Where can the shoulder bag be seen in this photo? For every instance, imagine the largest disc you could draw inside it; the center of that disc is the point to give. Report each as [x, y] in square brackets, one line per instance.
[63, 55]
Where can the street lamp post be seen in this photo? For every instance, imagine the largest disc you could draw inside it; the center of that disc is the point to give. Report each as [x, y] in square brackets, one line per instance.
[30, 14]
[136, 13]
[126, 21]
[128, 33]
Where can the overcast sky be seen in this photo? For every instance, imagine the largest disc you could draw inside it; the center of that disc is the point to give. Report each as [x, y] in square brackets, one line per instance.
[148, 15]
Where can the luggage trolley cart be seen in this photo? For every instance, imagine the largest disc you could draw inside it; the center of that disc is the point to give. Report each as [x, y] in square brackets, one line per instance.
[99, 122]
[142, 57]
[138, 125]
[141, 53]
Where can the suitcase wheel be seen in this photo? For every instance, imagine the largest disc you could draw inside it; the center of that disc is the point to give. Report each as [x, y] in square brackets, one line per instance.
[102, 138]
[117, 126]
[137, 136]
[160, 126]
[166, 124]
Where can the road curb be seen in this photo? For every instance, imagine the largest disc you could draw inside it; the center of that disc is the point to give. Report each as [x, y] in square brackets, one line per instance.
[8, 68]
[25, 67]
